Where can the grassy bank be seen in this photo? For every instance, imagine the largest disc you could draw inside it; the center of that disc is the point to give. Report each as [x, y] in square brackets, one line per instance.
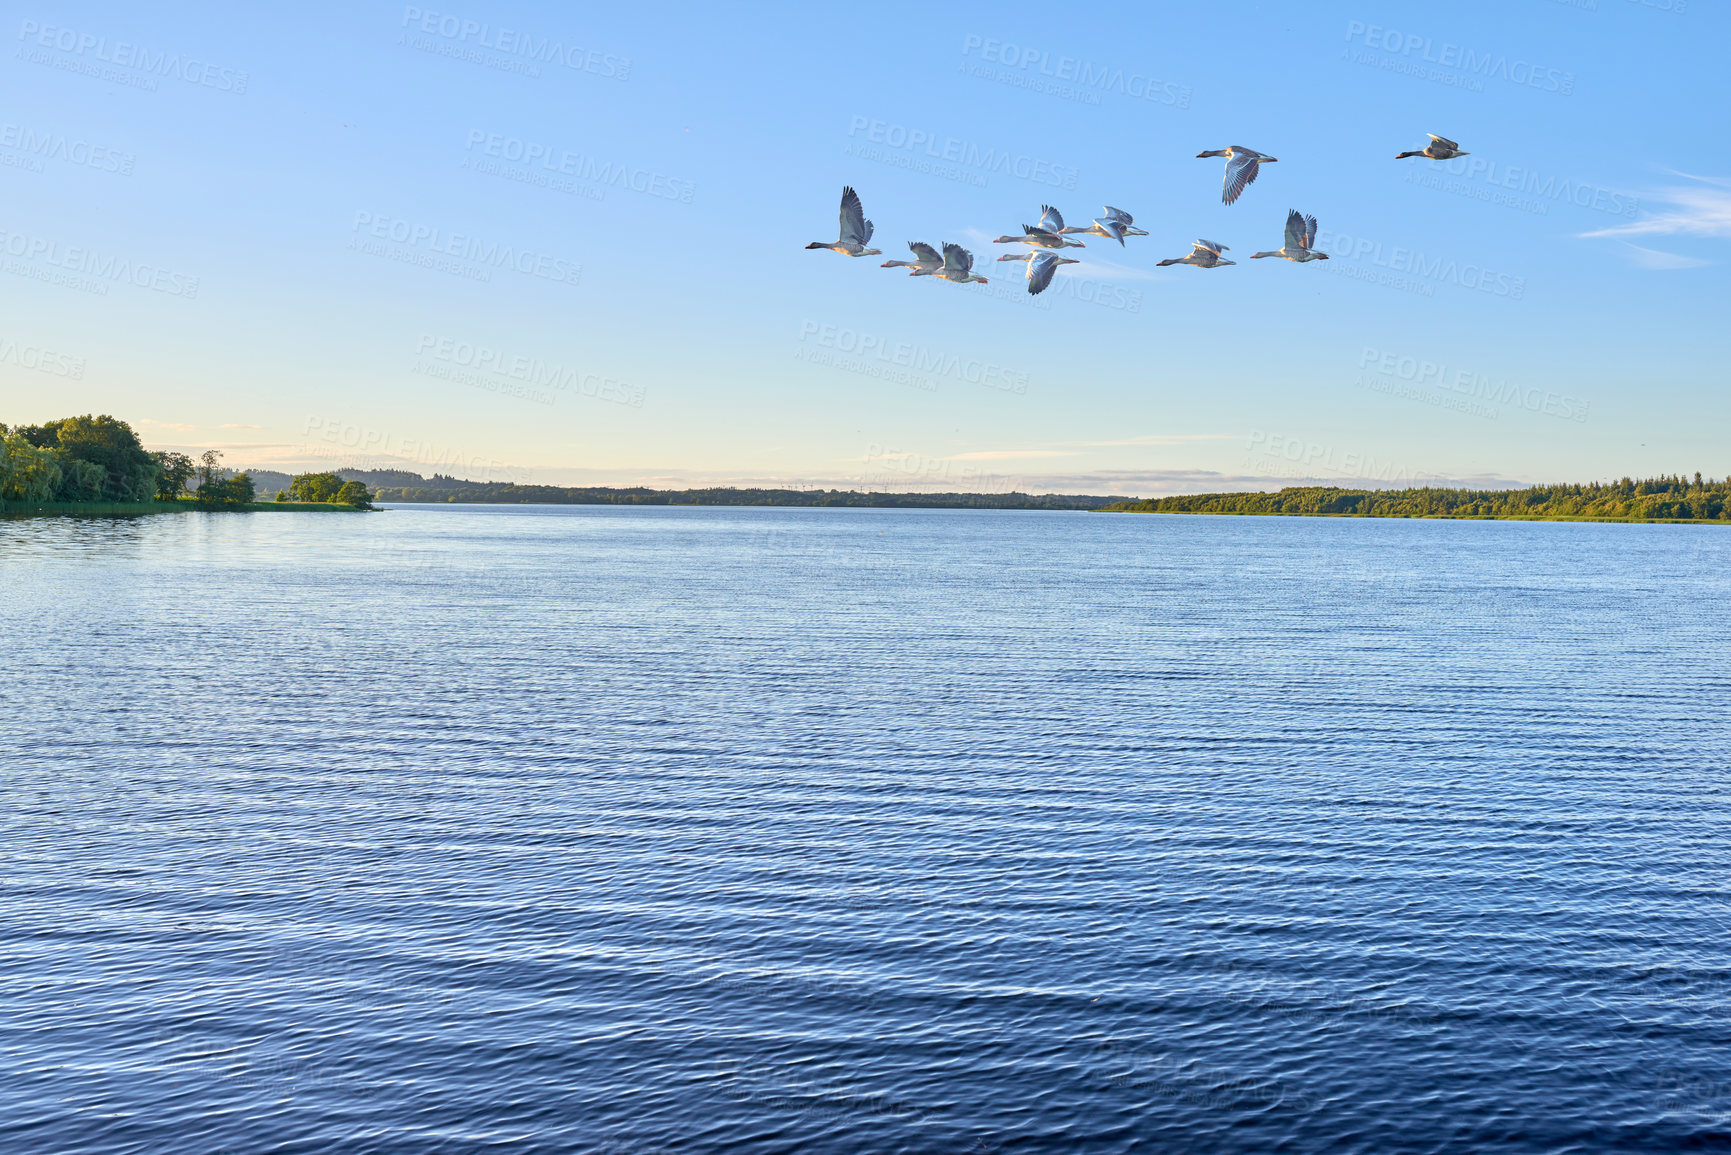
[1124, 508]
[1664, 499]
[141, 508]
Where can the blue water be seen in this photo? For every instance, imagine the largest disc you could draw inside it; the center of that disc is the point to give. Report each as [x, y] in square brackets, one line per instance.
[703, 830]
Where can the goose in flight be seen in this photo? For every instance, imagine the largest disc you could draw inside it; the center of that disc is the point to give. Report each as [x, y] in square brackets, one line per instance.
[1204, 255]
[1104, 227]
[1040, 239]
[855, 230]
[1439, 148]
[1052, 221]
[958, 265]
[926, 260]
[1241, 168]
[1041, 266]
[1125, 219]
[1300, 240]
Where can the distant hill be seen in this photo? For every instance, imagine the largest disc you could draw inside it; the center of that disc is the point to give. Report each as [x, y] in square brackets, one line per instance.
[399, 486]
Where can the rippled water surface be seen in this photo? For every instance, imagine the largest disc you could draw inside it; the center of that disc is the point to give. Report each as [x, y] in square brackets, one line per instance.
[764, 830]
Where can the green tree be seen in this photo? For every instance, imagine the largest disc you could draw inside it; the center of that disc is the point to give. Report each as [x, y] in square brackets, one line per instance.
[177, 470]
[354, 493]
[27, 471]
[209, 467]
[315, 487]
[129, 472]
[79, 480]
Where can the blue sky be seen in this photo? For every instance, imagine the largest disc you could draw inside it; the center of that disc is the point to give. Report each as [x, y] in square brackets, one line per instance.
[517, 240]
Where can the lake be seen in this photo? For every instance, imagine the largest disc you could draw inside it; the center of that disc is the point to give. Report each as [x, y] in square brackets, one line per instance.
[637, 830]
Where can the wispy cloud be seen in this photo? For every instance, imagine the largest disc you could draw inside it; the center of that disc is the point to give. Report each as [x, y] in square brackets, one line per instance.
[1012, 454]
[239, 427]
[1162, 439]
[1074, 448]
[1702, 209]
[1655, 259]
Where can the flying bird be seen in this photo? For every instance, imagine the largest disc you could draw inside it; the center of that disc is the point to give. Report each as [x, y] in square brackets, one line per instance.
[1040, 239]
[1439, 148]
[1103, 227]
[1052, 221]
[1125, 219]
[1204, 255]
[1300, 240]
[1241, 169]
[958, 265]
[1041, 267]
[855, 229]
[926, 260]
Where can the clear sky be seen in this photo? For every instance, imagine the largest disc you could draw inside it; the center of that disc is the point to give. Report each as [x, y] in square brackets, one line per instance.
[566, 243]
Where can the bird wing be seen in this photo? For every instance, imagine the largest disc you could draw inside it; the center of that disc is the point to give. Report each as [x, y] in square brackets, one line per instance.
[1443, 140]
[1051, 219]
[1214, 247]
[1295, 229]
[1040, 271]
[1113, 226]
[924, 253]
[1309, 232]
[1120, 215]
[957, 259]
[854, 226]
[1240, 171]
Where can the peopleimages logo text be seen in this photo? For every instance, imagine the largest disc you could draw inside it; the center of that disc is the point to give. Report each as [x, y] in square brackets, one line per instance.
[511, 42]
[40, 359]
[1486, 65]
[961, 152]
[564, 162]
[1472, 384]
[123, 54]
[491, 254]
[101, 266]
[1416, 264]
[1084, 74]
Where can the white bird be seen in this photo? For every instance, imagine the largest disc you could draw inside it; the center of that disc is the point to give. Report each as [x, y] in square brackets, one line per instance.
[1103, 227]
[958, 265]
[926, 260]
[1439, 148]
[855, 230]
[1040, 239]
[1041, 266]
[1204, 255]
[1125, 219]
[1300, 240]
[1241, 168]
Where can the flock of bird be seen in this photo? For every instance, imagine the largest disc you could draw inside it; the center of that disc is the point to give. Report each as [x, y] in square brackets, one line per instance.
[1051, 236]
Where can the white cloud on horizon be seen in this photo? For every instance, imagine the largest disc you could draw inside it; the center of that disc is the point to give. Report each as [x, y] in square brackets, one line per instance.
[1699, 210]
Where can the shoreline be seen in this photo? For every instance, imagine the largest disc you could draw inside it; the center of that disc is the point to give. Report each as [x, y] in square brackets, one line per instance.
[1425, 516]
[147, 508]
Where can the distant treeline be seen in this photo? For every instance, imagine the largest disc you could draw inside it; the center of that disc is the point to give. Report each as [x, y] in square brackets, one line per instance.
[1655, 498]
[396, 485]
